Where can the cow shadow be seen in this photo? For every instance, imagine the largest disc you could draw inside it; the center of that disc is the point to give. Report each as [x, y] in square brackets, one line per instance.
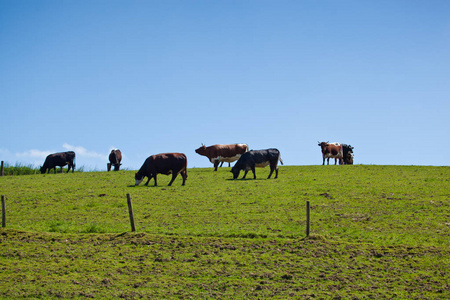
[245, 179]
[151, 186]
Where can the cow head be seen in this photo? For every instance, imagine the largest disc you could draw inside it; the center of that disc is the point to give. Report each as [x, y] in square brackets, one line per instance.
[235, 172]
[347, 148]
[322, 144]
[201, 150]
[138, 178]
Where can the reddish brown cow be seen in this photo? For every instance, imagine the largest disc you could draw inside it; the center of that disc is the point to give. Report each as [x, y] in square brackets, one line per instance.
[333, 150]
[222, 153]
[115, 157]
[164, 163]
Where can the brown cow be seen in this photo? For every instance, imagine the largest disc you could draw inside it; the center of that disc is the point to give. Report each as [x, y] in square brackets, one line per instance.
[331, 150]
[164, 163]
[222, 153]
[115, 157]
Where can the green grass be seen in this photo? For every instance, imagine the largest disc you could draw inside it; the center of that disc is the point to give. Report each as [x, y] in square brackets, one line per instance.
[23, 169]
[377, 232]
[19, 169]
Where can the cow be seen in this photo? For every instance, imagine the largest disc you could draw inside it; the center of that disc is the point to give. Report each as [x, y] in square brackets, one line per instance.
[347, 151]
[331, 150]
[348, 159]
[59, 159]
[164, 163]
[115, 157]
[257, 158]
[222, 153]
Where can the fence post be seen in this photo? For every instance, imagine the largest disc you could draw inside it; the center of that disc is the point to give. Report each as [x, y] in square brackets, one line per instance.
[130, 211]
[3, 211]
[1, 174]
[308, 220]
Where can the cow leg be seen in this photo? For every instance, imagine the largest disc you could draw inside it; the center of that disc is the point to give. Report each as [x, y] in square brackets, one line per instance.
[216, 164]
[174, 175]
[221, 164]
[245, 174]
[271, 171]
[184, 176]
[335, 160]
[323, 164]
[149, 177]
[328, 161]
[254, 174]
[273, 168]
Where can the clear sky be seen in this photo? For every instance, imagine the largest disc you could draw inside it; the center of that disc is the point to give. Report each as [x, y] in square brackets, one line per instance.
[166, 76]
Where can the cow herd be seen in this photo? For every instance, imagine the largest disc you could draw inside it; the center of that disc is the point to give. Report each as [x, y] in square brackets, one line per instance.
[343, 152]
[176, 163]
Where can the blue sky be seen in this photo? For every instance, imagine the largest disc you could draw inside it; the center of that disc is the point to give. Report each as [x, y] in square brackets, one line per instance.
[166, 76]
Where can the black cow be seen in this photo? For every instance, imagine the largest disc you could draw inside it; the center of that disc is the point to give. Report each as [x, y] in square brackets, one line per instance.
[115, 157]
[59, 159]
[164, 163]
[257, 158]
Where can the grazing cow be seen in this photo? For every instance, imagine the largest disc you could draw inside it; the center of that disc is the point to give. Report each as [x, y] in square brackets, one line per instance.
[331, 150]
[257, 158]
[164, 163]
[115, 157]
[59, 159]
[222, 153]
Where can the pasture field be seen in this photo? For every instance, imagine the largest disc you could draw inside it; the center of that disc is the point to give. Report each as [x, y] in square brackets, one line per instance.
[376, 232]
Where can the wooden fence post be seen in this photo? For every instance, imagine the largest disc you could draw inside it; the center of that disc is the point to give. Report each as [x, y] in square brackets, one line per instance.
[308, 220]
[3, 211]
[130, 211]
[1, 174]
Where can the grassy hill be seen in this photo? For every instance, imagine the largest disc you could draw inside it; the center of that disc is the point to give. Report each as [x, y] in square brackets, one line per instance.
[377, 231]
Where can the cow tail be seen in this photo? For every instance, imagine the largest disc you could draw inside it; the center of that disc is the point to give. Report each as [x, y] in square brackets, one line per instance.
[279, 158]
